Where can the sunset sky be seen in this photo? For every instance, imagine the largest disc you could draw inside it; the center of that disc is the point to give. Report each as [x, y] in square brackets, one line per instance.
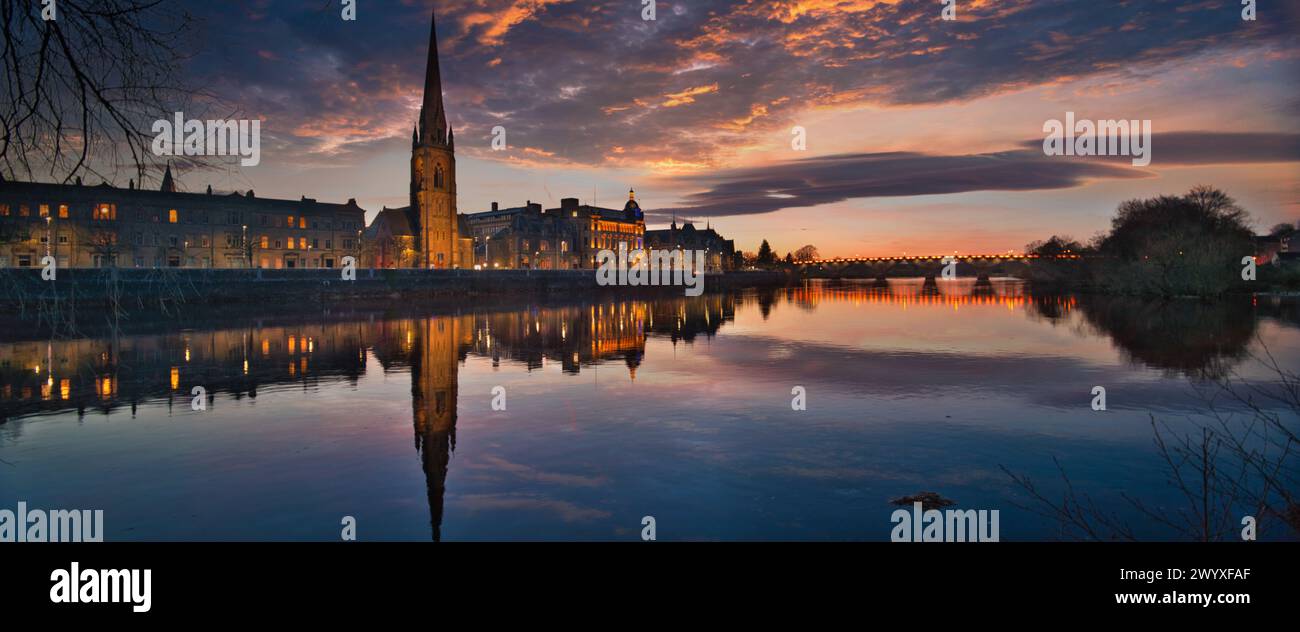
[923, 135]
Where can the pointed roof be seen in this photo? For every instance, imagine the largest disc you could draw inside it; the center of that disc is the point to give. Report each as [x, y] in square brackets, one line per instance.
[433, 118]
[168, 184]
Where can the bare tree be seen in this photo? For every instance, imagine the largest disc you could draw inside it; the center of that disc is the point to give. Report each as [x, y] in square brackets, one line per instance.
[807, 253]
[83, 89]
[1244, 458]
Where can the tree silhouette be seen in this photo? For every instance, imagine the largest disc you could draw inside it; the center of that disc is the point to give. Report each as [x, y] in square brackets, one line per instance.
[83, 90]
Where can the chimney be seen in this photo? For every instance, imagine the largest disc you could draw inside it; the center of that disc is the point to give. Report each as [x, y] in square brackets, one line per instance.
[209, 189]
[494, 206]
[249, 194]
[131, 185]
[568, 204]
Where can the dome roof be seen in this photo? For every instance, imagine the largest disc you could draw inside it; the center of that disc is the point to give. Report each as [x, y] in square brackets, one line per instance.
[632, 207]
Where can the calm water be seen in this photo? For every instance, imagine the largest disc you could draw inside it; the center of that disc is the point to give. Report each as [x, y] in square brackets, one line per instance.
[677, 408]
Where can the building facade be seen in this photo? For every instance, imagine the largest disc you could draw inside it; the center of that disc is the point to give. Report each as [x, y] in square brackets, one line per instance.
[564, 238]
[719, 253]
[105, 226]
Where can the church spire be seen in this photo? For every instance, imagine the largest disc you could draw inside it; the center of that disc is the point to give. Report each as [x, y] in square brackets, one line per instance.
[168, 184]
[433, 118]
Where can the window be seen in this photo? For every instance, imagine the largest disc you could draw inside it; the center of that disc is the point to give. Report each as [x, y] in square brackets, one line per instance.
[63, 239]
[106, 212]
[564, 246]
[45, 238]
[173, 241]
[23, 211]
[302, 222]
[45, 210]
[139, 262]
[63, 211]
[277, 244]
[4, 210]
[262, 219]
[315, 243]
[438, 177]
[264, 244]
[172, 217]
[206, 242]
[139, 239]
[290, 221]
[24, 261]
[302, 243]
[233, 218]
[327, 244]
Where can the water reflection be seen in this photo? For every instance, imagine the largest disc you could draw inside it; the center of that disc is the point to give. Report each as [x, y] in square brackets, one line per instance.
[103, 375]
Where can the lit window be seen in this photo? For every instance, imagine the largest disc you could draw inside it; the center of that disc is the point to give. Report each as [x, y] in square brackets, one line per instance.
[290, 221]
[264, 243]
[172, 216]
[63, 211]
[106, 212]
[302, 222]
[45, 210]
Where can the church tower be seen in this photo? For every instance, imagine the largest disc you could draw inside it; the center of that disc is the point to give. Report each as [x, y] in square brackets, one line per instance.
[433, 173]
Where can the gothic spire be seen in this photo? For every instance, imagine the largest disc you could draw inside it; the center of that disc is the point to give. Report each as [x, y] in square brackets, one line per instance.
[168, 184]
[433, 118]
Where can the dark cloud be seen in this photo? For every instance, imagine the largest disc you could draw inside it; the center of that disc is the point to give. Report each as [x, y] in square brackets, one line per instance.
[1215, 148]
[827, 179]
[590, 82]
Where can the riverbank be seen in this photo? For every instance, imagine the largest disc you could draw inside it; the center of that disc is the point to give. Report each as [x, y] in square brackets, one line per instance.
[130, 289]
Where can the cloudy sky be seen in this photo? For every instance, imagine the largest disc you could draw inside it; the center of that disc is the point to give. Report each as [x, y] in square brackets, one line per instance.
[922, 135]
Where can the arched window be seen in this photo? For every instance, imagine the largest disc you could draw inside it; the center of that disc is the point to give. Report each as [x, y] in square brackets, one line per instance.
[438, 177]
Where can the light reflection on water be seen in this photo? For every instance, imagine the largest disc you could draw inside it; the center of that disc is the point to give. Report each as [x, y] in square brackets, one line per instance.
[616, 409]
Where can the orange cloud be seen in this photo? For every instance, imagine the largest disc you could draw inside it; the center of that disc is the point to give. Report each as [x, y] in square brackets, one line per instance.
[688, 95]
[499, 23]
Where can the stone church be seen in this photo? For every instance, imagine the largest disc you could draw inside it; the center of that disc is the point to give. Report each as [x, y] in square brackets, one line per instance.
[428, 232]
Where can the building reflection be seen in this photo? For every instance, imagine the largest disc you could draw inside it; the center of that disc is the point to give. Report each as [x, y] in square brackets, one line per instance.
[118, 371]
[436, 351]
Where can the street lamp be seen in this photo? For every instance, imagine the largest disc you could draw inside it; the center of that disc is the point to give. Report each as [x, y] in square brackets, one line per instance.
[49, 235]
